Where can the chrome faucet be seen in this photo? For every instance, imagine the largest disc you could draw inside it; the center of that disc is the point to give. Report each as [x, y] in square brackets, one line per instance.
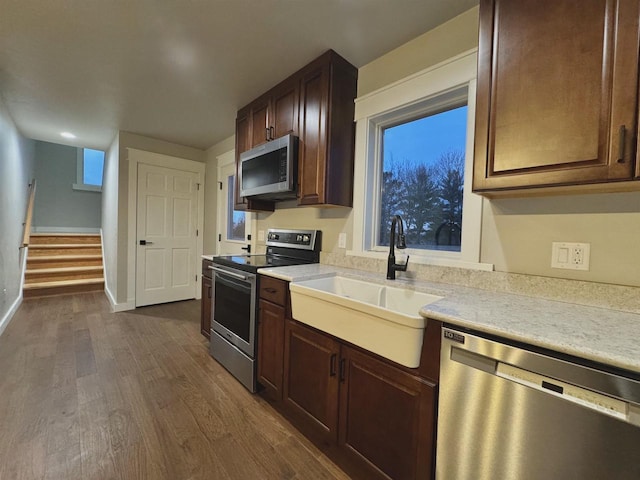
[392, 266]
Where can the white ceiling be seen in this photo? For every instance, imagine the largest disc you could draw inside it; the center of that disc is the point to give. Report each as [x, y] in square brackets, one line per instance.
[178, 70]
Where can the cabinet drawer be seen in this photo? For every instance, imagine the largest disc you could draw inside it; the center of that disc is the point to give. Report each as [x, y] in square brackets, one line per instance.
[273, 290]
[206, 271]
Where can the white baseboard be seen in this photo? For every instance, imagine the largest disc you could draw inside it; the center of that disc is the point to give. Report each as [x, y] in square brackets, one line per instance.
[65, 230]
[115, 306]
[18, 301]
[9, 315]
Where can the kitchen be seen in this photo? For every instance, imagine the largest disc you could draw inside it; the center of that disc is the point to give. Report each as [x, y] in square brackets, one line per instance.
[521, 260]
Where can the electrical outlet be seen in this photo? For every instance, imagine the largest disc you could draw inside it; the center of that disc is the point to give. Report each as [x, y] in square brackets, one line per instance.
[570, 256]
[342, 240]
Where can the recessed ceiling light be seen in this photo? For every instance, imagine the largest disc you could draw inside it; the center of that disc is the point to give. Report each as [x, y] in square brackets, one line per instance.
[67, 135]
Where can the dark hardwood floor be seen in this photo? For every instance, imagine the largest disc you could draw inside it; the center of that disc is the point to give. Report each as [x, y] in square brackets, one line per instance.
[90, 394]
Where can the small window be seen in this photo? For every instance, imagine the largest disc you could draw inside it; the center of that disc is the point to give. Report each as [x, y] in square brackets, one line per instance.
[235, 219]
[90, 167]
[422, 179]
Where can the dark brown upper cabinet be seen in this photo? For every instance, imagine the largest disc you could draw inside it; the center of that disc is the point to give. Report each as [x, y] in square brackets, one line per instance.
[327, 92]
[557, 94]
[316, 104]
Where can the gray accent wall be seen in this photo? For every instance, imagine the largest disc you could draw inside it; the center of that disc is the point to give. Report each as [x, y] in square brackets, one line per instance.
[58, 205]
[16, 171]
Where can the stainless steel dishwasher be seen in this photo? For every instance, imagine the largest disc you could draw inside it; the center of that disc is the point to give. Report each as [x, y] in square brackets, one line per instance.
[507, 412]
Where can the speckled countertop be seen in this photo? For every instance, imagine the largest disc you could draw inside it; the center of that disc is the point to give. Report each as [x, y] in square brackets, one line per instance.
[599, 334]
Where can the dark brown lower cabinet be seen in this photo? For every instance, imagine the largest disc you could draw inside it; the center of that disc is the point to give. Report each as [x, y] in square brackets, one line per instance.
[386, 418]
[378, 419]
[205, 305]
[270, 348]
[311, 381]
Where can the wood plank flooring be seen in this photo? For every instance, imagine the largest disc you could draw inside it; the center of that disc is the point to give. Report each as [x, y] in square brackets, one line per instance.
[90, 394]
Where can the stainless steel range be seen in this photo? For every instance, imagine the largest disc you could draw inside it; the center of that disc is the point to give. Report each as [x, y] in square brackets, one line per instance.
[235, 302]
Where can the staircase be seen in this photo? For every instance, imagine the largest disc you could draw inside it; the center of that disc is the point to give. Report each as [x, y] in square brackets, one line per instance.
[60, 263]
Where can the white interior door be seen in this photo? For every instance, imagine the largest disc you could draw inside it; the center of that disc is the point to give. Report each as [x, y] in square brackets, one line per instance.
[234, 227]
[166, 235]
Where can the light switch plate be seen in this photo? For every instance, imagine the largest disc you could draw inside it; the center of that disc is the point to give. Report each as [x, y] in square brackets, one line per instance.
[570, 256]
[342, 240]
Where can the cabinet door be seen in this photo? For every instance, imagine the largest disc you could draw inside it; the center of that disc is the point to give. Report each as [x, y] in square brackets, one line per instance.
[205, 307]
[271, 348]
[259, 126]
[313, 136]
[387, 418]
[283, 114]
[557, 88]
[243, 143]
[311, 381]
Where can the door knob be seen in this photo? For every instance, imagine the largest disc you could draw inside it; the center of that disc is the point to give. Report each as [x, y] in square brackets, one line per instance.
[144, 242]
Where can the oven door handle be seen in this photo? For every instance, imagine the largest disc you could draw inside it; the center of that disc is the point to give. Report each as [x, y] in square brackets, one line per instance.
[227, 272]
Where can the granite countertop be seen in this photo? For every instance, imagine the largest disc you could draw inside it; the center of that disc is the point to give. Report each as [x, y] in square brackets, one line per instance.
[599, 334]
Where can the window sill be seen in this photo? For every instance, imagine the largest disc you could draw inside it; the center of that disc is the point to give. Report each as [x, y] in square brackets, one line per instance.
[87, 188]
[421, 259]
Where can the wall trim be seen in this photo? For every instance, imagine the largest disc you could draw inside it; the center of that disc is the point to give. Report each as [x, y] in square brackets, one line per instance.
[4, 322]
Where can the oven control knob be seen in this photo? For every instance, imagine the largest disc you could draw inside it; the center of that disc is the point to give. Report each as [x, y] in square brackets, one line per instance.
[298, 238]
[305, 238]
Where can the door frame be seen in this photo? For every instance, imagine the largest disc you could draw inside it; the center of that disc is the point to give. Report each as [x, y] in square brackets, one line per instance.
[135, 156]
[224, 160]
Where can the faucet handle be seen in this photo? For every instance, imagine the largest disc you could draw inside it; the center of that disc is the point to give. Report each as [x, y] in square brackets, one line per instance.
[403, 267]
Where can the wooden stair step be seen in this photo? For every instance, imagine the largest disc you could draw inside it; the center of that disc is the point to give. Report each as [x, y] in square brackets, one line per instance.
[75, 238]
[54, 261]
[64, 245]
[43, 289]
[62, 273]
[40, 250]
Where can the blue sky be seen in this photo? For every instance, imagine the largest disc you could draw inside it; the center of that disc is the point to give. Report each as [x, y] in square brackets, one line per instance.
[93, 166]
[427, 138]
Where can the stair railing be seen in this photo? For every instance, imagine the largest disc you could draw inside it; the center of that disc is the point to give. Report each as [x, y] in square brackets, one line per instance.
[29, 215]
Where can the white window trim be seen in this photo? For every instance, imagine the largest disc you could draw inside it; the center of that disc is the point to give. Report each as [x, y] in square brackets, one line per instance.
[376, 108]
[80, 175]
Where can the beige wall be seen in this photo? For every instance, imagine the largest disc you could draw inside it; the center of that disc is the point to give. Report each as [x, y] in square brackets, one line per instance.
[449, 39]
[211, 192]
[516, 233]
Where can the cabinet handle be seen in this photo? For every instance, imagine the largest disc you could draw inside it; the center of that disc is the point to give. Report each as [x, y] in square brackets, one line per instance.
[342, 369]
[209, 294]
[270, 290]
[266, 134]
[271, 133]
[621, 143]
[332, 366]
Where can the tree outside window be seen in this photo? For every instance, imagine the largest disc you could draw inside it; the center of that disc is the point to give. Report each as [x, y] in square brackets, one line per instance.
[423, 179]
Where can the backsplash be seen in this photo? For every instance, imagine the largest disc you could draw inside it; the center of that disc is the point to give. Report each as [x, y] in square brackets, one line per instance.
[616, 297]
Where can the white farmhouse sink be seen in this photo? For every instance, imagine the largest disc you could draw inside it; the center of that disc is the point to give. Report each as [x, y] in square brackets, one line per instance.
[382, 319]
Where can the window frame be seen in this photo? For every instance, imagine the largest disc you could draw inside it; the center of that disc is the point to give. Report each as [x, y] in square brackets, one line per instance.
[80, 185]
[434, 88]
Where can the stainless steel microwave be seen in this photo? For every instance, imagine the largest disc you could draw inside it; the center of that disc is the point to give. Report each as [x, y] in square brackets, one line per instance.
[270, 171]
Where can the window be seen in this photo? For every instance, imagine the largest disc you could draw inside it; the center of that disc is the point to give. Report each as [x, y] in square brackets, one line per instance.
[422, 179]
[414, 157]
[235, 219]
[90, 166]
